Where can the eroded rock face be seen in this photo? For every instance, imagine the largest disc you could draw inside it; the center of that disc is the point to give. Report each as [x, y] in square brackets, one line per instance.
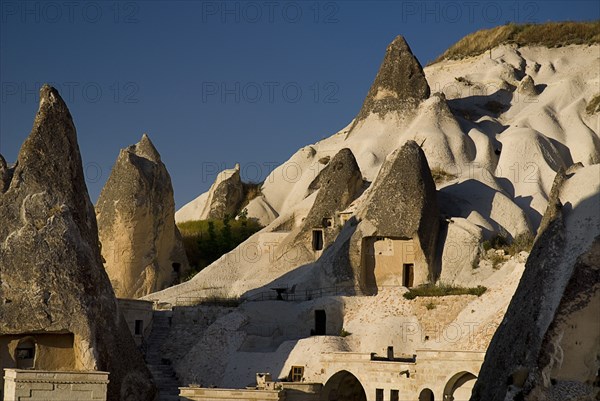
[402, 206]
[51, 273]
[141, 244]
[338, 183]
[225, 195]
[5, 175]
[548, 344]
[400, 84]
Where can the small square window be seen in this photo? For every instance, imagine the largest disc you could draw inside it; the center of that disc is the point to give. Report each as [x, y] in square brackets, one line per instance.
[394, 395]
[297, 373]
[379, 394]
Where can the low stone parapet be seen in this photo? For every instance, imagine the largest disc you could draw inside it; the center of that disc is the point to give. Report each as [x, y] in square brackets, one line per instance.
[220, 394]
[43, 385]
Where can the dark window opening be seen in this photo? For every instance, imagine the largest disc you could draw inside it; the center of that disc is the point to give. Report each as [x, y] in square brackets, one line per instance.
[317, 240]
[176, 267]
[139, 327]
[327, 222]
[379, 394]
[320, 322]
[394, 395]
[408, 275]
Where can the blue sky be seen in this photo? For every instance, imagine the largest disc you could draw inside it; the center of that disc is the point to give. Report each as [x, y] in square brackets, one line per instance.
[214, 83]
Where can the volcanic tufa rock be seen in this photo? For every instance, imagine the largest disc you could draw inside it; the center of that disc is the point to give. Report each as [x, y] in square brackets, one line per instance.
[527, 86]
[141, 245]
[401, 214]
[338, 183]
[51, 274]
[548, 344]
[225, 195]
[400, 84]
[5, 175]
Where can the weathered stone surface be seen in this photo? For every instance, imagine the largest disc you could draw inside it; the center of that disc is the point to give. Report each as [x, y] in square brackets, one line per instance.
[402, 203]
[141, 244]
[51, 273]
[548, 344]
[400, 84]
[527, 86]
[5, 175]
[338, 183]
[225, 195]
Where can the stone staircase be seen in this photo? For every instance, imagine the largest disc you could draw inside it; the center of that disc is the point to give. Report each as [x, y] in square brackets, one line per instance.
[162, 371]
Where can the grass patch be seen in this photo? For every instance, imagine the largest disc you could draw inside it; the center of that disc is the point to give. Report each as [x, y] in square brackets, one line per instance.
[496, 260]
[594, 105]
[440, 175]
[207, 240]
[431, 306]
[522, 242]
[551, 34]
[442, 290]
[344, 333]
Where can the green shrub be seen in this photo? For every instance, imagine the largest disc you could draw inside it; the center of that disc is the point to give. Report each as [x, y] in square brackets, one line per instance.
[594, 105]
[496, 260]
[440, 175]
[207, 240]
[431, 306]
[442, 290]
[344, 333]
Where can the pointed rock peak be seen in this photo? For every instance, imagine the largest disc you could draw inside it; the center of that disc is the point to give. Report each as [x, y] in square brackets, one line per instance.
[400, 84]
[145, 148]
[527, 86]
[51, 152]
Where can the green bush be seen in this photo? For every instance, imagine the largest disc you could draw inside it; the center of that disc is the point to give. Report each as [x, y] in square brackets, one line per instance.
[594, 105]
[442, 290]
[344, 333]
[440, 175]
[522, 242]
[431, 306]
[207, 240]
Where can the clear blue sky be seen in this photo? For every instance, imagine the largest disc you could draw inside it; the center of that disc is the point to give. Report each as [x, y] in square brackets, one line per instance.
[214, 83]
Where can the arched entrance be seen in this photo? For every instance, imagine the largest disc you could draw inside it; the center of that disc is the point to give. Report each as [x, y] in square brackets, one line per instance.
[426, 395]
[343, 386]
[459, 387]
[25, 353]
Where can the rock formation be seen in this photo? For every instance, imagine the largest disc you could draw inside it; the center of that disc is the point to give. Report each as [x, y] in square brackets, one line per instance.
[225, 196]
[400, 83]
[527, 86]
[401, 205]
[5, 175]
[338, 184]
[51, 274]
[548, 346]
[141, 245]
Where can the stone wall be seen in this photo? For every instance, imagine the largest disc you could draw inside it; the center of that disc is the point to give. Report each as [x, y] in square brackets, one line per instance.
[37, 385]
[218, 394]
[137, 309]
